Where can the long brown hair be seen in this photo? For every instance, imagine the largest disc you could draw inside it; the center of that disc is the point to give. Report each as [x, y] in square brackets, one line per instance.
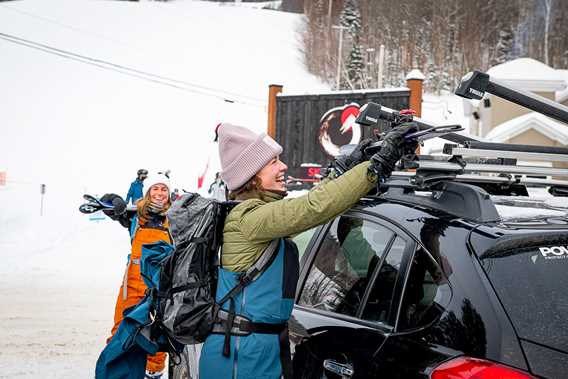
[254, 185]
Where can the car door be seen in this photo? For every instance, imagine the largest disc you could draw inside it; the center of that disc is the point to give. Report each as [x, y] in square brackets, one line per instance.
[340, 321]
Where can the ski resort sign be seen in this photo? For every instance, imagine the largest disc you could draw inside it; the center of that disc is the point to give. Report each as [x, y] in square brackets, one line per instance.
[338, 128]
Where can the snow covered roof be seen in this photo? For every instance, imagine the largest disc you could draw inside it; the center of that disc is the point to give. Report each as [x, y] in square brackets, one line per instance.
[415, 74]
[528, 74]
[552, 129]
[331, 92]
[562, 96]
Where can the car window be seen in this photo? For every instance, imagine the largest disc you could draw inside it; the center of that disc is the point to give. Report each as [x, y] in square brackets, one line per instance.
[531, 282]
[302, 240]
[426, 293]
[343, 265]
[380, 301]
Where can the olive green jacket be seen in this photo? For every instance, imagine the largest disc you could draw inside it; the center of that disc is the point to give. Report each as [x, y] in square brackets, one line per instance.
[252, 224]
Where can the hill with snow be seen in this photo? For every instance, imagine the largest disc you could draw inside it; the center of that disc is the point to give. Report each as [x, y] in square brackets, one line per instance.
[92, 91]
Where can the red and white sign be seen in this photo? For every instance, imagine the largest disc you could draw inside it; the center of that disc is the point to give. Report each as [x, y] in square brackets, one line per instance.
[338, 128]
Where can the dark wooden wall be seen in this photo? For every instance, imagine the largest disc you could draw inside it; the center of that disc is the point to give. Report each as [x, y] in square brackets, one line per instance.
[298, 123]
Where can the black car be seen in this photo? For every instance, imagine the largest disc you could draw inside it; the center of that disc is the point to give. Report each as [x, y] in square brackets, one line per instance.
[449, 283]
[395, 289]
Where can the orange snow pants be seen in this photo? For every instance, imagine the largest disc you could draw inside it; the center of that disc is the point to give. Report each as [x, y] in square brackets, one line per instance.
[133, 287]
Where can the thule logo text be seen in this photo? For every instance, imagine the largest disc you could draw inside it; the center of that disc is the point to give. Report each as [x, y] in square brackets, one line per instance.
[476, 92]
[372, 119]
[554, 252]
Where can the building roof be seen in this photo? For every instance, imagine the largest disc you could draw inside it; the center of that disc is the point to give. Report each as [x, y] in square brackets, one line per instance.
[552, 129]
[529, 74]
[562, 96]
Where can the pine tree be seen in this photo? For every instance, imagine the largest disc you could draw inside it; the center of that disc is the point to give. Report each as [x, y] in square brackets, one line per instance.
[505, 45]
[351, 19]
[356, 66]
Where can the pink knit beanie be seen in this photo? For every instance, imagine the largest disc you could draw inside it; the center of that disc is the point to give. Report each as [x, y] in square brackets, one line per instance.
[243, 153]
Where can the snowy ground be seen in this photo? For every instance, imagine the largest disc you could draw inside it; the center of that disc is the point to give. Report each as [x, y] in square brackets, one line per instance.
[83, 128]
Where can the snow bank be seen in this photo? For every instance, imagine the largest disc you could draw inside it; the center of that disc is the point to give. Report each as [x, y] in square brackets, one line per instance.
[87, 127]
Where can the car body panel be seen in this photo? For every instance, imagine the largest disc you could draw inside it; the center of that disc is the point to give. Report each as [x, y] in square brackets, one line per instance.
[473, 323]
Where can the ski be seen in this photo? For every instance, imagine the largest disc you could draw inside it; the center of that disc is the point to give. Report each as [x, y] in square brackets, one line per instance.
[371, 113]
[93, 205]
[433, 132]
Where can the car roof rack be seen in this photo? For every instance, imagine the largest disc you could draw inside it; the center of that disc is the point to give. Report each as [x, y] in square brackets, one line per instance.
[460, 182]
[498, 159]
[457, 199]
[502, 150]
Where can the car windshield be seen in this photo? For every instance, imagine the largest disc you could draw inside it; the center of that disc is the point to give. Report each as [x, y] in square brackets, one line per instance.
[531, 283]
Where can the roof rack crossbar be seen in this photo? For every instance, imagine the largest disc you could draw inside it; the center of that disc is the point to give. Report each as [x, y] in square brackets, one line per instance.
[514, 147]
[522, 155]
[474, 167]
[474, 85]
[472, 178]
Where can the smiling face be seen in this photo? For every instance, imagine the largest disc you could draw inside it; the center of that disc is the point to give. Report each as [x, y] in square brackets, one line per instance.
[272, 175]
[159, 194]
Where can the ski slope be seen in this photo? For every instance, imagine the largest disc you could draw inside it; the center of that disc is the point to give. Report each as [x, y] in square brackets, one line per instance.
[92, 91]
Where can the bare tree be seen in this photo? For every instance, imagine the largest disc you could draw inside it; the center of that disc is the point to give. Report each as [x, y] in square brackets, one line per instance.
[444, 39]
[547, 9]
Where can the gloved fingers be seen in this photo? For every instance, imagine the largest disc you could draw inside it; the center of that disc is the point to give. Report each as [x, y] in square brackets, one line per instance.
[108, 212]
[365, 143]
[362, 147]
[410, 146]
[109, 197]
[119, 205]
[405, 128]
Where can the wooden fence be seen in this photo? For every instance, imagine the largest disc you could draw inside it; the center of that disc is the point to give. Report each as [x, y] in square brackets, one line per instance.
[311, 128]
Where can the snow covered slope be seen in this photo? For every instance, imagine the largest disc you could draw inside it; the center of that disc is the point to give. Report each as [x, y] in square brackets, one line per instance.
[87, 127]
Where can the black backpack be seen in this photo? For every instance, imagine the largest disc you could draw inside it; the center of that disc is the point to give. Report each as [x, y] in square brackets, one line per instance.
[185, 303]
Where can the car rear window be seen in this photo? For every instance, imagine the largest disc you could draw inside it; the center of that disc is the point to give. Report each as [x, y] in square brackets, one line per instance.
[532, 283]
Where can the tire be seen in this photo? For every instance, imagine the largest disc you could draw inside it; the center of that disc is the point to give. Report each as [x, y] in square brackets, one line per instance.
[188, 365]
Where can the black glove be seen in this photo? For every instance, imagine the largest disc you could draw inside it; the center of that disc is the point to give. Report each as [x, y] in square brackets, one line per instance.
[118, 204]
[393, 147]
[345, 163]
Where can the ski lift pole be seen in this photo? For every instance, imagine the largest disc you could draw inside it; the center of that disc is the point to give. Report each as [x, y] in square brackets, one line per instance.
[42, 192]
[475, 84]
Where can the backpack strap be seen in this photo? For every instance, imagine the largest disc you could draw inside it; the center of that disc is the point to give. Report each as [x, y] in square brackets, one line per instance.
[250, 275]
[243, 326]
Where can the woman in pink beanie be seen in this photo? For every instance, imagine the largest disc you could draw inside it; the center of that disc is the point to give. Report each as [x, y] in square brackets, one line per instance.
[255, 176]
